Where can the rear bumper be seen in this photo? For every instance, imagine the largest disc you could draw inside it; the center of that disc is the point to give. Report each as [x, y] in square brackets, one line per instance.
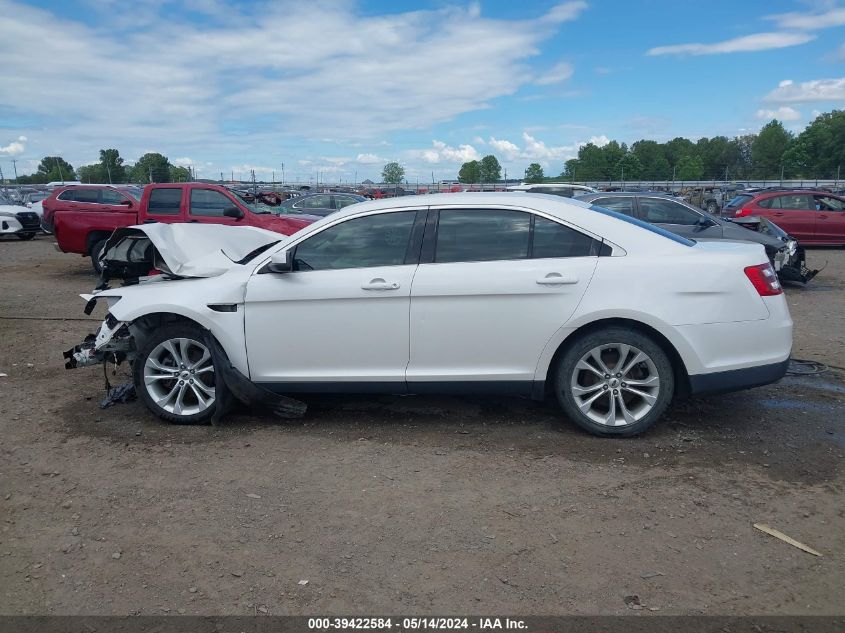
[737, 379]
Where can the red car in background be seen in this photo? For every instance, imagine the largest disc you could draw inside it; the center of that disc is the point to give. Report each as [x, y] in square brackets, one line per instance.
[811, 217]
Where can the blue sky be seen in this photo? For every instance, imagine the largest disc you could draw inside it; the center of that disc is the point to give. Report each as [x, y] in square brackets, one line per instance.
[339, 87]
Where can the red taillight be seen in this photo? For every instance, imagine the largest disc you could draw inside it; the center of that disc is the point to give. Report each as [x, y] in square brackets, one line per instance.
[764, 280]
[744, 211]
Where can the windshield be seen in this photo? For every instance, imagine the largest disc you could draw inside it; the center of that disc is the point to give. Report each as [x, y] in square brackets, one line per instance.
[247, 198]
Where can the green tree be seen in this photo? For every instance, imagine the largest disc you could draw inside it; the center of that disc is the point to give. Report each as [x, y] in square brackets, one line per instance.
[570, 169]
[89, 174]
[677, 148]
[591, 163]
[55, 168]
[768, 148]
[534, 173]
[393, 173]
[151, 167]
[797, 162]
[654, 165]
[824, 142]
[689, 168]
[179, 174]
[491, 170]
[111, 166]
[629, 167]
[612, 153]
[470, 172]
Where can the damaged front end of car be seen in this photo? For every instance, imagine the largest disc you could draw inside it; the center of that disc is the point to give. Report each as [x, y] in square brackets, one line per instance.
[790, 260]
[113, 342]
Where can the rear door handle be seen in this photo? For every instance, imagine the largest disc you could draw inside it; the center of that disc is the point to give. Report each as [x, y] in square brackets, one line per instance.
[556, 279]
[380, 284]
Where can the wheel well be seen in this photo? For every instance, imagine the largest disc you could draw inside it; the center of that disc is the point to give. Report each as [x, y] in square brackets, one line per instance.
[148, 323]
[682, 385]
[94, 237]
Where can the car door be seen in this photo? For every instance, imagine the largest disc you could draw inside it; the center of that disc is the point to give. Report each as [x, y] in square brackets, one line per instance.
[678, 218]
[115, 202]
[493, 286]
[830, 219]
[164, 204]
[794, 213]
[339, 320]
[86, 199]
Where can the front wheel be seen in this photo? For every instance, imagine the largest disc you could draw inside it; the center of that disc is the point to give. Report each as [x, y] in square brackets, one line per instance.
[25, 236]
[174, 375]
[712, 208]
[96, 251]
[614, 382]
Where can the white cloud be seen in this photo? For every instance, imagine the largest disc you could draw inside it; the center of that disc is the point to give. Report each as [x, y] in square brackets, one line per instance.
[440, 152]
[600, 141]
[555, 75]
[510, 150]
[809, 21]
[536, 150]
[14, 148]
[808, 91]
[565, 12]
[183, 162]
[746, 43]
[783, 113]
[369, 159]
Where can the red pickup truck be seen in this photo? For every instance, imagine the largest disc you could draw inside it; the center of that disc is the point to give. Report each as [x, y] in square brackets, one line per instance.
[82, 217]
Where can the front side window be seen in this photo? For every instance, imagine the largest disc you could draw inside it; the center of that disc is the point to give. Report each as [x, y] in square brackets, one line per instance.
[374, 240]
[110, 196]
[209, 203]
[667, 212]
[827, 203]
[483, 235]
[620, 204]
[165, 201]
[314, 202]
[66, 196]
[87, 195]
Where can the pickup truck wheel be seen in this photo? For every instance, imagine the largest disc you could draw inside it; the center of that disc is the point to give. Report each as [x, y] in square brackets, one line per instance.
[96, 251]
[174, 375]
[614, 382]
[712, 208]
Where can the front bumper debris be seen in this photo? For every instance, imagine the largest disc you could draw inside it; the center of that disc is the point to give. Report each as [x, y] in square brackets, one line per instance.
[111, 343]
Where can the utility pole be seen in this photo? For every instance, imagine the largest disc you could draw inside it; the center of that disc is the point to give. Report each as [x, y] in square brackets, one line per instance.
[781, 175]
[283, 174]
[221, 177]
[15, 165]
[108, 169]
[151, 173]
[59, 165]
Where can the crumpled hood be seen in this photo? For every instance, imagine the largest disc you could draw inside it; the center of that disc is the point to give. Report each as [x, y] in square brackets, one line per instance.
[186, 250]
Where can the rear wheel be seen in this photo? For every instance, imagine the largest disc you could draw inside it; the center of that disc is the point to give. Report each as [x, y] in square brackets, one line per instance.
[25, 236]
[712, 208]
[96, 251]
[174, 375]
[614, 382]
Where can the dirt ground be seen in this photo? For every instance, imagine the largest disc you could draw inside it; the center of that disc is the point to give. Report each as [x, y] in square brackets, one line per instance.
[409, 504]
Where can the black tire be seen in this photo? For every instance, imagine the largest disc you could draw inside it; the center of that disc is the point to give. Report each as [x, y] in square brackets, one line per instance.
[96, 250]
[566, 369]
[25, 236]
[712, 208]
[169, 332]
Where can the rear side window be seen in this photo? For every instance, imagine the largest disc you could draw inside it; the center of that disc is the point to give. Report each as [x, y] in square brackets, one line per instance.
[621, 204]
[565, 192]
[87, 195]
[479, 236]
[795, 202]
[209, 203]
[552, 239]
[66, 196]
[165, 201]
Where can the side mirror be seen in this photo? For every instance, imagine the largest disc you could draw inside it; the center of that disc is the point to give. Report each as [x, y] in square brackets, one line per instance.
[281, 262]
[233, 212]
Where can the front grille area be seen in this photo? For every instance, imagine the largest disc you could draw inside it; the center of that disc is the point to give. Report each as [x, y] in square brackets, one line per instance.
[29, 220]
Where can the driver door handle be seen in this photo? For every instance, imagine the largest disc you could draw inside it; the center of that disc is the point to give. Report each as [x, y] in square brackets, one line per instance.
[380, 284]
[556, 279]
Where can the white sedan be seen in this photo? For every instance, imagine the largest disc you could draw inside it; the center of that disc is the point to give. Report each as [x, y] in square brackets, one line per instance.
[455, 293]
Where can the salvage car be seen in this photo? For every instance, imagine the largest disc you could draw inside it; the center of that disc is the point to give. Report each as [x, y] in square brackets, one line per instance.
[455, 293]
[17, 220]
[787, 257]
[812, 216]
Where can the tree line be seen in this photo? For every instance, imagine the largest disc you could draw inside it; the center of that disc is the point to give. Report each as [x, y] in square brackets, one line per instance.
[151, 167]
[774, 152]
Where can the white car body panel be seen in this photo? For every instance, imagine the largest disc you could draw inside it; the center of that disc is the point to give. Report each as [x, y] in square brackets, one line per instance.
[7, 217]
[471, 321]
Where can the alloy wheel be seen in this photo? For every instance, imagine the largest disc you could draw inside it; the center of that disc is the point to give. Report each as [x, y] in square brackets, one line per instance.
[179, 376]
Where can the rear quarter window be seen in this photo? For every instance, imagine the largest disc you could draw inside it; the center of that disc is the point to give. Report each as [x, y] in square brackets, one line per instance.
[738, 201]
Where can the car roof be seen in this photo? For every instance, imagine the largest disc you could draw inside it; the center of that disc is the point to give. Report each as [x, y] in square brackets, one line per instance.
[616, 194]
[607, 224]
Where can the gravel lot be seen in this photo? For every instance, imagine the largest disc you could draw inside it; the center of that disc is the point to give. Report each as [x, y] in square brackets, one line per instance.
[409, 504]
